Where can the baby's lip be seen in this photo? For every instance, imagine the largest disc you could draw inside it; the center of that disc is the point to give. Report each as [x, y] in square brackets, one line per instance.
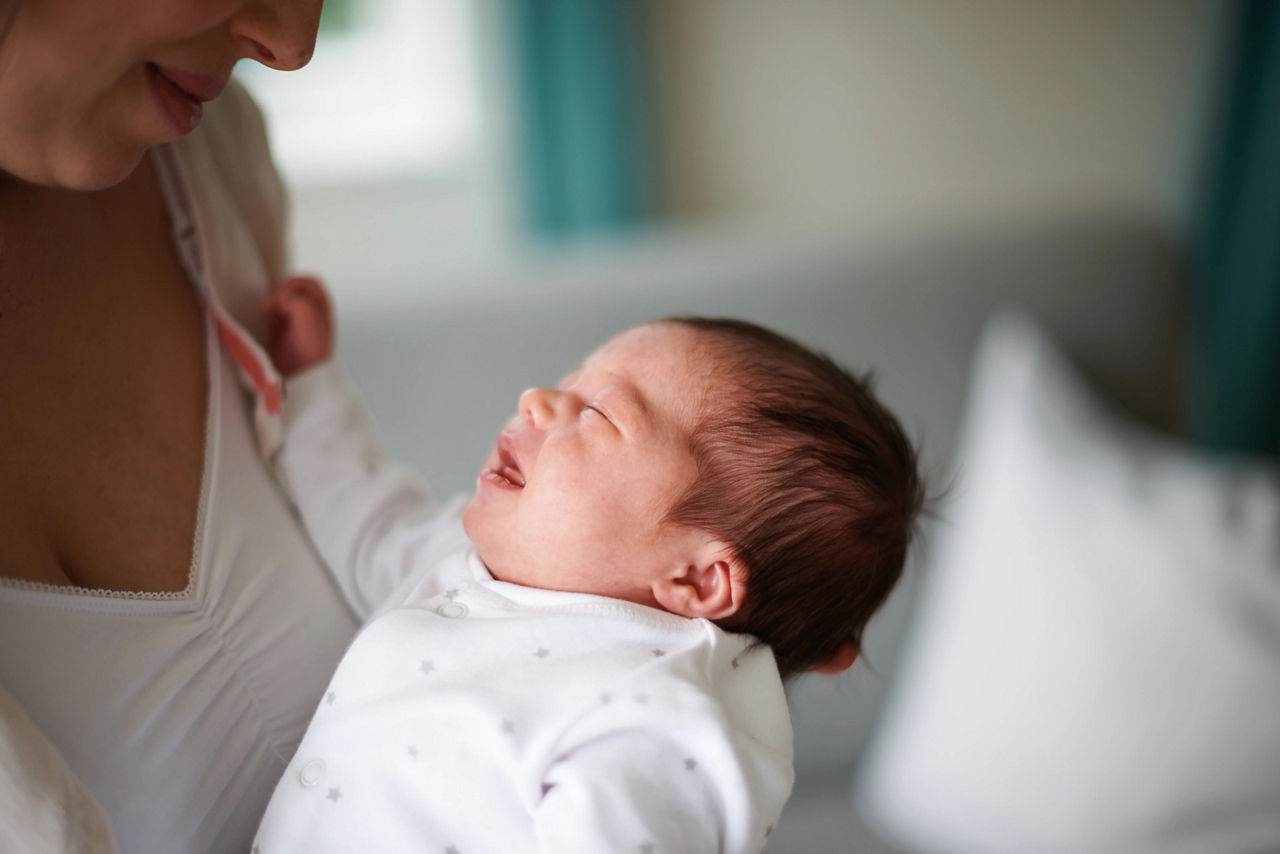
[508, 463]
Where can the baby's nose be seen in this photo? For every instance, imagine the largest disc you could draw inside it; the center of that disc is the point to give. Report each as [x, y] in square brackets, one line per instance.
[539, 405]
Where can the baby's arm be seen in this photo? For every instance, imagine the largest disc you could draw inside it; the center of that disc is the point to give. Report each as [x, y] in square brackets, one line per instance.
[372, 521]
[628, 794]
[651, 789]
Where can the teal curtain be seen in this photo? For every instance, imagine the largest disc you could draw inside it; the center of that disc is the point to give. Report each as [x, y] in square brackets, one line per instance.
[582, 115]
[1236, 262]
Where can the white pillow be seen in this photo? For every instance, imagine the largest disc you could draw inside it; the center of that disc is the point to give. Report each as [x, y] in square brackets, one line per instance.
[1095, 666]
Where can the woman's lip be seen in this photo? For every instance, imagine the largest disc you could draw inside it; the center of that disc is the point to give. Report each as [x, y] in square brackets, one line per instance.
[182, 111]
[197, 86]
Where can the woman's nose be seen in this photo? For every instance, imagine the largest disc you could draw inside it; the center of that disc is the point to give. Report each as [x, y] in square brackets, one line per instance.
[280, 34]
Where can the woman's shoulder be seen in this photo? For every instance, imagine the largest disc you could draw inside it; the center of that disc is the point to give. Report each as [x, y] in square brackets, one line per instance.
[230, 150]
[235, 130]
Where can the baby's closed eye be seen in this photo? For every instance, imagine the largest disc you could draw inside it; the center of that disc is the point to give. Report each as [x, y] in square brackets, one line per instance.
[593, 411]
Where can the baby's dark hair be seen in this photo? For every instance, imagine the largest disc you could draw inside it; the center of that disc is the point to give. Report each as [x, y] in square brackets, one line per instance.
[810, 479]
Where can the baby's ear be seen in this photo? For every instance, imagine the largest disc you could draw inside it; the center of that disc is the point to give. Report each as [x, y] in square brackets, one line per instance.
[843, 659]
[711, 584]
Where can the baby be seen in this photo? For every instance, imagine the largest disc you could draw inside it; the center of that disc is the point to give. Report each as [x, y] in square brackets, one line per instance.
[589, 657]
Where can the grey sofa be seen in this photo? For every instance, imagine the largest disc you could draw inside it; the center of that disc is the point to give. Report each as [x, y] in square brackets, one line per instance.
[441, 367]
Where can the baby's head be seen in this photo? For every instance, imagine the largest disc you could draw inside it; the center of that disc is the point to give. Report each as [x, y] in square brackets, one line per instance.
[713, 469]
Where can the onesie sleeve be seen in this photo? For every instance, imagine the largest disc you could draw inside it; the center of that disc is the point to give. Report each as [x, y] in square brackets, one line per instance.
[661, 790]
[629, 793]
[372, 520]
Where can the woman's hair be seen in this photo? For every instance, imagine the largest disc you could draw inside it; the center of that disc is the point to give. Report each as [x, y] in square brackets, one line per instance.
[810, 479]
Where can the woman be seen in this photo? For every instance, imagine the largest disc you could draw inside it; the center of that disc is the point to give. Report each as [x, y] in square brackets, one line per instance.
[163, 621]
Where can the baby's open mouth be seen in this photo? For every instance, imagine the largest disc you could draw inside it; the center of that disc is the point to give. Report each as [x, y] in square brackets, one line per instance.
[506, 473]
[509, 469]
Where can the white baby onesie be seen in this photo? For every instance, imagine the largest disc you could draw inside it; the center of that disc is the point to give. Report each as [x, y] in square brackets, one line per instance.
[474, 716]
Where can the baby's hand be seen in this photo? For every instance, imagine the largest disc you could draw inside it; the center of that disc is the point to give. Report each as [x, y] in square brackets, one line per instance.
[299, 324]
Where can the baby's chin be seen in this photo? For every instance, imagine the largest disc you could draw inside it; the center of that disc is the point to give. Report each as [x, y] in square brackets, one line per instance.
[471, 527]
[469, 518]
[497, 576]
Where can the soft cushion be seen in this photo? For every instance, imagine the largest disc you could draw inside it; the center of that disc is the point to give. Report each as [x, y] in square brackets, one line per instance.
[1095, 665]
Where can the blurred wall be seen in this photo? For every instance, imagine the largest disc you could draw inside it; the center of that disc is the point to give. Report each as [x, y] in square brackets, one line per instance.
[885, 116]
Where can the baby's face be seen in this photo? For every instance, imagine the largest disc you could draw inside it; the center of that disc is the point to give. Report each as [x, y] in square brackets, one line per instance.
[574, 493]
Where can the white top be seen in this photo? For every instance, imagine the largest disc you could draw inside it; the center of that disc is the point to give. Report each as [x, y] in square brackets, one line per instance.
[474, 715]
[43, 807]
[178, 711]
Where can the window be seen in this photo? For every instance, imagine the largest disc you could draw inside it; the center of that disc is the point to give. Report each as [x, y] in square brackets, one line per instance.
[391, 144]
[391, 92]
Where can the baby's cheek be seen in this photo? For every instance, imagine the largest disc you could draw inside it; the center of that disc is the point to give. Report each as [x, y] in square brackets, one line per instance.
[575, 525]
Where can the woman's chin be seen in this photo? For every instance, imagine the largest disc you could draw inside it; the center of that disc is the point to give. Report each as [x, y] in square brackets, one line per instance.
[75, 163]
[99, 170]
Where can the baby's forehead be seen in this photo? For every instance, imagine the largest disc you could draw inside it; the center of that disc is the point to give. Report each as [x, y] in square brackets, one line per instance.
[669, 343]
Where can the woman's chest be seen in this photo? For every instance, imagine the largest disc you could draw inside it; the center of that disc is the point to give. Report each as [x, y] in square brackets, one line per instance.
[103, 391]
[178, 711]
